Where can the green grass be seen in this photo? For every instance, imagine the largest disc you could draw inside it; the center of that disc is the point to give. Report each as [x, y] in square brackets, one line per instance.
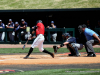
[60, 72]
[48, 4]
[36, 50]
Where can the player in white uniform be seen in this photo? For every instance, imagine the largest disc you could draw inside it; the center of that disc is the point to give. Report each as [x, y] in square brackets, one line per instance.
[40, 30]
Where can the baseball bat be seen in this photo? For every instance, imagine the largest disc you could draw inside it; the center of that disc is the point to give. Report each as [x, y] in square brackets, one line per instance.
[25, 44]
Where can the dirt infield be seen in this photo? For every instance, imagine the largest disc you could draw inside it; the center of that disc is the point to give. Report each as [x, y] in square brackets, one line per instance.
[46, 59]
[29, 45]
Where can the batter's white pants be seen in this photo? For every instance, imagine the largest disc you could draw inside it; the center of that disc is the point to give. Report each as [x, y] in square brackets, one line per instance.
[38, 42]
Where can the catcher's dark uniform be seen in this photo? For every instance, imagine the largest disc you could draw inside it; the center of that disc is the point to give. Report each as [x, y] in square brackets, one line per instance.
[72, 45]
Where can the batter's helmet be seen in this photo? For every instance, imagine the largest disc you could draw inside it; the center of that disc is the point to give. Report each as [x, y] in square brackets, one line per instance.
[39, 21]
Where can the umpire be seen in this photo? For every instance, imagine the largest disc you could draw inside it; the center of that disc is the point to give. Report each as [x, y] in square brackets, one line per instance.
[92, 38]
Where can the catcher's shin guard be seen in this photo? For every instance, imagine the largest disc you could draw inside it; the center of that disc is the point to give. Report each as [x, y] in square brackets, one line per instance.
[71, 50]
[75, 49]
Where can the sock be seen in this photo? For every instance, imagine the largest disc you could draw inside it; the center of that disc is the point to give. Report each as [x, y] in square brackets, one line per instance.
[45, 51]
[30, 51]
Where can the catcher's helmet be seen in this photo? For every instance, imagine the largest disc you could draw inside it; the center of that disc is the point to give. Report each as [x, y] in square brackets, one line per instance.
[66, 34]
[39, 21]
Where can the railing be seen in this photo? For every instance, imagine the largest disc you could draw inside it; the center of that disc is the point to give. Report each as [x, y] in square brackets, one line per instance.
[58, 30]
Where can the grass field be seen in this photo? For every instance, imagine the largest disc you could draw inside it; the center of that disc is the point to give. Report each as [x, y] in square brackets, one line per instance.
[36, 50]
[60, 72]
[48, 4]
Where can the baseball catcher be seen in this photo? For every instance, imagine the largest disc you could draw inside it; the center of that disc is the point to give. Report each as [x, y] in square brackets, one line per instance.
[71, 43]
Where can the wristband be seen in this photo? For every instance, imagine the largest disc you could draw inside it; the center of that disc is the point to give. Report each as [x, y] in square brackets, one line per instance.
[61, 45]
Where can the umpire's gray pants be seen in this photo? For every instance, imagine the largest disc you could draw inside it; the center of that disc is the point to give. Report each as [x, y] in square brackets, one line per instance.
[89, 45]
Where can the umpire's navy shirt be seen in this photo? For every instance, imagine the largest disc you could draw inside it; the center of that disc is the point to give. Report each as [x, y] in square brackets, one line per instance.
[89, 34]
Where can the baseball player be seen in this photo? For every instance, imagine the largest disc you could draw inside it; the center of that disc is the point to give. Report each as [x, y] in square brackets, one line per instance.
[71, 43]
[40, 30]
[10, 25]
[92, 38]
[2, 34]
[23, 25]
[53, 34]
[16, 28]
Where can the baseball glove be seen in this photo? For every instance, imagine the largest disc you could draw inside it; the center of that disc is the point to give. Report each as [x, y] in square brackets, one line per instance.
[55, 48]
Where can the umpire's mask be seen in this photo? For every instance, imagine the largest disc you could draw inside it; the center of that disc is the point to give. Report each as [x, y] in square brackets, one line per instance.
[80, 28]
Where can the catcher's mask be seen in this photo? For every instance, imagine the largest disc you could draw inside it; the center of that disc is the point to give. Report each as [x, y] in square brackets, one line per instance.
[64, 35]
[80, 28]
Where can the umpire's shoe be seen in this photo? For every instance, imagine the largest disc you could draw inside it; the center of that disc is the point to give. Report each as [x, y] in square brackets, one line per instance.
[26, 57]
[91, 55]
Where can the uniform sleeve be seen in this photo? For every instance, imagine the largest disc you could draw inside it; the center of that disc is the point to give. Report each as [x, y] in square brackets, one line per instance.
[26, 24]
[17, 28]
[13, 24]
[55, 26]
[71, 40]
[3, 26]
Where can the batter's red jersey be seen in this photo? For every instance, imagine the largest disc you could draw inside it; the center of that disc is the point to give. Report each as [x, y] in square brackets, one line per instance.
[40, 29]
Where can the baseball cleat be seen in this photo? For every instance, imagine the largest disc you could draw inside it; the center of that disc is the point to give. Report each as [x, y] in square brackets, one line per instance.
[78, 54]
[71, 55]
[26, 57]
[52, 55]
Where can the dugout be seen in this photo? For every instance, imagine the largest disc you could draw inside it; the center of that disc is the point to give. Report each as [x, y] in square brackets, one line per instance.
[68, 18]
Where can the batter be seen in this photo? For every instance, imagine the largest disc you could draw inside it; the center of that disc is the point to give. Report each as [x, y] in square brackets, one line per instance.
[40, 30]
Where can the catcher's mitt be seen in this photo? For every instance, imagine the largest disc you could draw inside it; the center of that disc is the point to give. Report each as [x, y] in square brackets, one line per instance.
[55, 48]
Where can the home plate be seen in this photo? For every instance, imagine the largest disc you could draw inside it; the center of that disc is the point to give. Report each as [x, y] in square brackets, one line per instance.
[63, 57]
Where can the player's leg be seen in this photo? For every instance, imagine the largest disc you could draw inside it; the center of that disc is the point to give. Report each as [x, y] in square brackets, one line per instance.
[90, 49]
[71, 50]
[75, 48]
[40, 45]
[35, 43]
[54, 36]
[30, 51]
[0, 36]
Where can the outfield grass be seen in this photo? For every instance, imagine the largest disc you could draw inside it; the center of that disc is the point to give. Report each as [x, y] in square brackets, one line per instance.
[48, 4]
[36, 50]
[60, 72]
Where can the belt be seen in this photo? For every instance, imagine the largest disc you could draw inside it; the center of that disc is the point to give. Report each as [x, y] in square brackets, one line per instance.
[39, 34]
